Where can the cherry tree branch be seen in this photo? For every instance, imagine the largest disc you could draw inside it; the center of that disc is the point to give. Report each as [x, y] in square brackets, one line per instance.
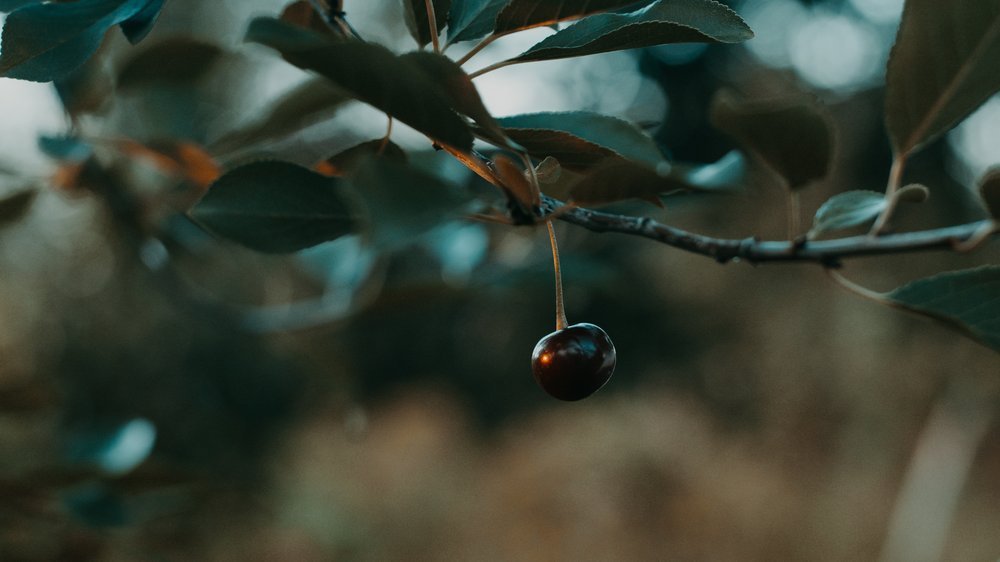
[753, 250]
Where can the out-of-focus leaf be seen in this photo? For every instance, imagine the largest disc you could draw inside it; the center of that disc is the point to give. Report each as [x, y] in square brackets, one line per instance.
[725, 174]
[303, 14]
[580, 139]
[372, 74]
[793, 137]
[513, 179]
[472, 19]
[525, 14]
[404, 202]
[989, 190]
[913, 193]
[16, 205]
[137, 27]
[942, 67]
[11, 5]
[69, 149]
[96, 506]
[42, 42]
[88, 89]
[415, 15]
[348, 160]
[666, 21]
[618, 180]
[174, 61]
[846, 210]
[458, 88]
[276, 207]
[306, 104]
[968, 300]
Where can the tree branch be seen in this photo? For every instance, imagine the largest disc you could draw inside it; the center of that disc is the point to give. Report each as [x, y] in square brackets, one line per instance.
[826, 252]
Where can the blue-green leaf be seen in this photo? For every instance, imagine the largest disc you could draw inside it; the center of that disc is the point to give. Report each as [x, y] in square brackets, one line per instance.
[137, 27]
[42, 42]
[846, 210]
[415, 16]
[968, 300]
[276, 207]
[11, 5]
[525, 14]
[666, 21]
[472, 19]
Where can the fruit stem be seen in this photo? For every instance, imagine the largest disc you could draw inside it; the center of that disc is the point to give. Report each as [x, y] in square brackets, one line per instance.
[561, 321]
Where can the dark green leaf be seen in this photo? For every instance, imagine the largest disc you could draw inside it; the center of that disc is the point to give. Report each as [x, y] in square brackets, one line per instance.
[618, 180]
[137, 27]
[87, 89]
[943, 66]
[666, 21]
[472, 19]
[303, 14]
[794, 136]
[370, 73]
[404, 201]
[458, 88]
[349, 160]
[415, 15]
[968, 300]
[11, 5]
[847, 210]
[989, 190]
[525, 14]
[276, 207]
[14, 206]
[69, 149]
[580, 139]
[176, 60]
[306, 104]
[42, 42]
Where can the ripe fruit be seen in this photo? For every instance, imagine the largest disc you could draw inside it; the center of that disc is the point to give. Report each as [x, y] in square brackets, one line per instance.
[573, 363]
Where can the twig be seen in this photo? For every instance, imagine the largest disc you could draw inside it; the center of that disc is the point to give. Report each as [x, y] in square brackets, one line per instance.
[432, 25]
[482, 45]
[892, 186]
[826, 252]
[493, 67]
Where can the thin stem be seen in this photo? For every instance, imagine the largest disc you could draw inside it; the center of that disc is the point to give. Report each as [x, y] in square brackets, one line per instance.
[385, 139]
[561, 321]
[482, 45]
[794, 214]
[854, 287]
[892, 186]
[493, 67]
[432, 25]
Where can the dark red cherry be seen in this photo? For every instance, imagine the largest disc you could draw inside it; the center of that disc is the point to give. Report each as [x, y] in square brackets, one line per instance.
[573, 363]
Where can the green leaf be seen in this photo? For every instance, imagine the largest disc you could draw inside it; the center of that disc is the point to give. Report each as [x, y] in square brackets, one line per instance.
[725, 174]
[42, 42]
[415, 15]
[349, 160]
[989, 190]
[176, 60]
[308, 103]
[666, 21]
[793, 136]
[968, 300]
[942, 67]
[276, 207]
[16, 205]
[847, 210]
[372, 74]
[404, 201]
[11, 5]
[472, 19]
[581, 139]
[618, 180]
[525, 14]
[458, 88]
[137, 27]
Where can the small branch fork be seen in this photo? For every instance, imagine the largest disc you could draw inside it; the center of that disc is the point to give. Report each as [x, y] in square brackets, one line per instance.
[824, 252]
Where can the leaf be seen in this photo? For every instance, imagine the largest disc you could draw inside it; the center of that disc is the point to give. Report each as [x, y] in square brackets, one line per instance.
[512, 177]
[372, 74]
[792, 136]
[42, 42]
[349, 160]
[525, 14]
[548, 170]
[415, 15]
[69, 149]
[968, 300]
[724, 174]
[14, 206]
[302, 14]
[276, 207]
[581, 139]
[989, 190]
[11, 5]
[472, 19]
[137, 27]
[942, 67]
[306, 104]
[176, 60]
[846, 210]
[404, 202]
[458, 88]
[913, 193]
[666, 21]
[618, 180]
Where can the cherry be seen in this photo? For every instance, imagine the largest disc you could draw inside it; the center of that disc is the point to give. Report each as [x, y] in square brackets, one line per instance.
[573, 363]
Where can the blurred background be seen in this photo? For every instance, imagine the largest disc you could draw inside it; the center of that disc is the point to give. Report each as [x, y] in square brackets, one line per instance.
[166, 396]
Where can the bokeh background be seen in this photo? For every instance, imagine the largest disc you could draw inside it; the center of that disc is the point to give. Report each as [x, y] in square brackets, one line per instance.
[175, 398]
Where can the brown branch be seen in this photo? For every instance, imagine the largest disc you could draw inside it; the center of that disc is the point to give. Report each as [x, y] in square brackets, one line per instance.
[826, 252]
